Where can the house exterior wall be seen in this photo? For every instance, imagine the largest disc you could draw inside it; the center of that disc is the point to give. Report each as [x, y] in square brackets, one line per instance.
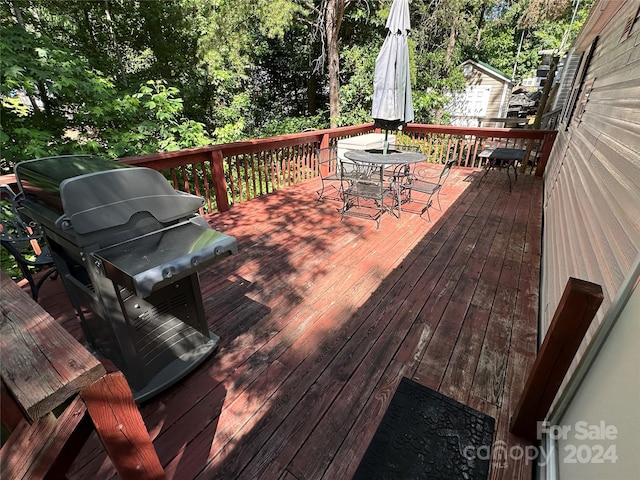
[495, 95]
[602, 433]
[592, 232]
[592, 206]
[592, 181]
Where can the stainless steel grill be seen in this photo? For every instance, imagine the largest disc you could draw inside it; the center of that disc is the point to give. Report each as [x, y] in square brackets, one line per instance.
[128, 247]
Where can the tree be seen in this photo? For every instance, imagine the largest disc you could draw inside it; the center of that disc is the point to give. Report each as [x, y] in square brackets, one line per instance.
[516, 31]
[334, 11]
[53, 102]
[85, 75]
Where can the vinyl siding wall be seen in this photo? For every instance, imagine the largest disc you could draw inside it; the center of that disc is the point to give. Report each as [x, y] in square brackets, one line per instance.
[592, 181]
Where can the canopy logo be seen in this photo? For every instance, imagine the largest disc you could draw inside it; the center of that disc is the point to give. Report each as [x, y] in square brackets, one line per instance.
[579, 443]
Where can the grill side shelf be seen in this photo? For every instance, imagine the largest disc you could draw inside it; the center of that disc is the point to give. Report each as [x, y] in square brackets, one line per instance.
[146, 263]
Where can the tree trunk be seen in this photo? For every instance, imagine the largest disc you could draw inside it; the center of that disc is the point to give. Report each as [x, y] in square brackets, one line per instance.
[334, 13]
[312, 97]
[451, 46]
[112, 34]
[153, 25]
[481, 13]
[545, 96]
[43, 92]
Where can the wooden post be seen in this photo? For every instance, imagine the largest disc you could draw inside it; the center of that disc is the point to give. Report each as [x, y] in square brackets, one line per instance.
[549, 139]
[323, 156]
[121, 429]
[324, 143]
[219, 181]
[578, 305]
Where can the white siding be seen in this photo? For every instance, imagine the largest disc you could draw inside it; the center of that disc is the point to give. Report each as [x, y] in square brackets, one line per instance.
[592, 181]
[484, 97]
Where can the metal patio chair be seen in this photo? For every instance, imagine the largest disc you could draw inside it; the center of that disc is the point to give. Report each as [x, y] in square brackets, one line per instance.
[24, 241]
[419, 181]
[329, 169]
[364, 190]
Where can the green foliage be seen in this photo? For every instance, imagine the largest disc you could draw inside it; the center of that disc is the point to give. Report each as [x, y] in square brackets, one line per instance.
[128, 78]
[53, 102]
[154, 112]
[539, 25]
[357, 94]
[280, 126]
[232, 27]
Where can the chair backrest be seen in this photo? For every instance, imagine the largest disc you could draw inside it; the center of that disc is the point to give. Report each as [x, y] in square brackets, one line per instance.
[445, 172]
[425, 176]
[327, 161]
[363, 177]
[13, 230]
[20, 237]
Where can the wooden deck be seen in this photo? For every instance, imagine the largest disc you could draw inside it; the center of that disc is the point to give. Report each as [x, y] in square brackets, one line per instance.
[320, 319]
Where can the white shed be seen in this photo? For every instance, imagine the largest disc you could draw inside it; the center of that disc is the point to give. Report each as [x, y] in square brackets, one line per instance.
[486, 97]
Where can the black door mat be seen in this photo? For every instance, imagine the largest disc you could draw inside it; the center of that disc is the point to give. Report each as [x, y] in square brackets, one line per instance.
[425, 435]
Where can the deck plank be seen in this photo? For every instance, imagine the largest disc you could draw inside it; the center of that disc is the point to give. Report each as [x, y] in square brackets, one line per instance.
[320, 319]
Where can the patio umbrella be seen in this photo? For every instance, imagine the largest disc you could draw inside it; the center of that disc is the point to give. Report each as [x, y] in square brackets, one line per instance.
[392, 103]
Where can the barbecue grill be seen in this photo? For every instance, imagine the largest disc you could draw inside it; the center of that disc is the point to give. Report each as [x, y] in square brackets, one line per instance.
[128, 248]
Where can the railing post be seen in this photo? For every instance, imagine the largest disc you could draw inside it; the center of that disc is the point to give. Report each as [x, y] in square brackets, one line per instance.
[578, 305]
[527, 156]
[219, 181]
[549, 139]
[324, 143]
[323, 155]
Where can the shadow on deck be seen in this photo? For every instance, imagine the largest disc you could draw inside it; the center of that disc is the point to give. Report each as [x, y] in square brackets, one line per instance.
[320, 319]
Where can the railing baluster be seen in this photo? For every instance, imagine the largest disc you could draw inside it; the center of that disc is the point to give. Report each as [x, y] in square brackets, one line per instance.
[196, 183]
[174, 177]
[255, 167]
[273, 168]
[207, 189]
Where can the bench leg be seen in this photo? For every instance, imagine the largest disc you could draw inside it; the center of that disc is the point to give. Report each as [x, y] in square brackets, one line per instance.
[10, 411]
[47, 448]
[121, 429]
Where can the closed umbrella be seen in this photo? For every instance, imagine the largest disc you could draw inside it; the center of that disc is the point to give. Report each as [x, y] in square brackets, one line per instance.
[392, 103]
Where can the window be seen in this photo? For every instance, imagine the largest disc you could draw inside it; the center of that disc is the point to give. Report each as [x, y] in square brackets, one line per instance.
[578, 83]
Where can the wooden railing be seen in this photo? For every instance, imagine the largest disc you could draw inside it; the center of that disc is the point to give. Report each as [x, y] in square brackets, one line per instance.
[236, 172]
[463, 144]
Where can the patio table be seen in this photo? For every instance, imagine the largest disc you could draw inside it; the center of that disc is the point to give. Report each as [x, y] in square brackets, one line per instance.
[502, 157]
[393, 158]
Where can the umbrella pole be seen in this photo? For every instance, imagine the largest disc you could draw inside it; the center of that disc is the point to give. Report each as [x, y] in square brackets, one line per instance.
[385, 144]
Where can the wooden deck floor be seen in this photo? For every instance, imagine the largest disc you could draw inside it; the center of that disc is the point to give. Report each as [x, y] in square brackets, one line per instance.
[320, 319]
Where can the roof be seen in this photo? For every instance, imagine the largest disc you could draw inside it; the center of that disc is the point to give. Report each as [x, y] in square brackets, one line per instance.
[600, 15]
[487, 69]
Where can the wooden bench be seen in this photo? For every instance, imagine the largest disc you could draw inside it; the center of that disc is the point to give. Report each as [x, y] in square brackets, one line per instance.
[44, 369]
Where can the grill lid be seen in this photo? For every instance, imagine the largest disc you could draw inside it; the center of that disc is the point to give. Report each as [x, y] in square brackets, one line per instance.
[40, 179]
[108, 199]
[86, 194]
